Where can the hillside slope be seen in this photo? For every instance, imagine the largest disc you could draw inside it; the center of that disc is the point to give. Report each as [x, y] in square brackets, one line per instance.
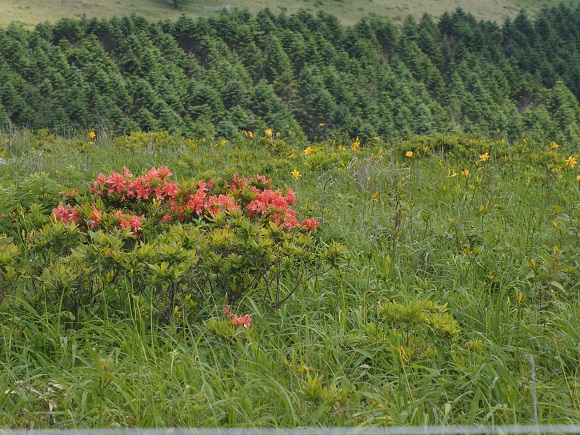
[32, 12]
[299, 74]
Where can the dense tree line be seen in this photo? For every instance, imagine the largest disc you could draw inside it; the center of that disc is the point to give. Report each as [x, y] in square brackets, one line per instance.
[299, 74]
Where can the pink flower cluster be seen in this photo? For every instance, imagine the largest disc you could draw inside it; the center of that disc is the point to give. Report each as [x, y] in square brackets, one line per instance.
[71, 193]
[251, 196]
[199, 202]
[123, 187]
[272, 203]
[235, 320]
[131, 222]
[67, 214]
[96, 217]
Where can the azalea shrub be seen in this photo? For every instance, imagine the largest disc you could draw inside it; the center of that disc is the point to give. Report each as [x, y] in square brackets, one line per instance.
[148, 246]
[252, 197]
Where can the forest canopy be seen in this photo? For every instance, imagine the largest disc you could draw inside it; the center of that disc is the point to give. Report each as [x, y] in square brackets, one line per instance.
[303, 75]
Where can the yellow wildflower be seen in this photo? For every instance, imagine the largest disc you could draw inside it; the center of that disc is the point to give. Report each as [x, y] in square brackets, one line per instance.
[308, 150]
[554, 145]
[406, 357]
[465, 172]
[268, 132]
[520, 297]
[484, 157]
[571, 161]
[296, 174]
[577, 177]
[92, 134]
[375, 195]
[410, 154]
[356, 144]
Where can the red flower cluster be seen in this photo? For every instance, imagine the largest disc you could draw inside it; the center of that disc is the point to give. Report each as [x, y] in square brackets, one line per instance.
[96, 217]
[129, 221]
[235, 320]
[266, 202]
[67, 213]
[122, 187]
[71, 193]
[251, 196]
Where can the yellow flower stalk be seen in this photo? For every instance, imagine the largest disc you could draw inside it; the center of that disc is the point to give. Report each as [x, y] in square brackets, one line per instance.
[520, 297]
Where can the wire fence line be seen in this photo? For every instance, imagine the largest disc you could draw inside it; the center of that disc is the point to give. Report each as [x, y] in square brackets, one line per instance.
[400, 430]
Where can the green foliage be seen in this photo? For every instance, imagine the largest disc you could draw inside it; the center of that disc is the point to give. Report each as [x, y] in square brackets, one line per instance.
[440, 265]
[309, 76]
[179, 248]
[414, 330]
[9, 258]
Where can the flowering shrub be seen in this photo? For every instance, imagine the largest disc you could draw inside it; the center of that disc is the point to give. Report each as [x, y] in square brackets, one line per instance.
[253, 197]
[147, 241]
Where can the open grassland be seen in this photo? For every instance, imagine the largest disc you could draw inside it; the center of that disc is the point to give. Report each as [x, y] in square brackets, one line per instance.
[462, 274]
[31, 12]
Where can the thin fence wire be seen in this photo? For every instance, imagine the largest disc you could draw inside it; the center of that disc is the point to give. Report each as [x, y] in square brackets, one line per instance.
[401, 430]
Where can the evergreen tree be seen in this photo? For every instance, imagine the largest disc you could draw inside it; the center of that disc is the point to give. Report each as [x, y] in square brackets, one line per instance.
[564, 109]
[298, 72]
[269, 109]
[316, 105]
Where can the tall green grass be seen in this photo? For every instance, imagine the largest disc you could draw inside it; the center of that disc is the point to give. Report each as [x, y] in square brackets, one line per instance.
[418, 232]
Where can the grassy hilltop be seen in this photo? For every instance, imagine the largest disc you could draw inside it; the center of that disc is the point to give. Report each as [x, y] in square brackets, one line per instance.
[31, 12]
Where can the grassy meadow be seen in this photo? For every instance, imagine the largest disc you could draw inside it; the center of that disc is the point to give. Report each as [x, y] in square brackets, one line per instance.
[457, 300]
[32, 12]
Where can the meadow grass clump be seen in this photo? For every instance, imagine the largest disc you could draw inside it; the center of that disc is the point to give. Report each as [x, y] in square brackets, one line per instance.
[440, 272]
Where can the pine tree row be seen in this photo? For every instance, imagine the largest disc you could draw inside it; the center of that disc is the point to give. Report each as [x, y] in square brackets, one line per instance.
[301, 74]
